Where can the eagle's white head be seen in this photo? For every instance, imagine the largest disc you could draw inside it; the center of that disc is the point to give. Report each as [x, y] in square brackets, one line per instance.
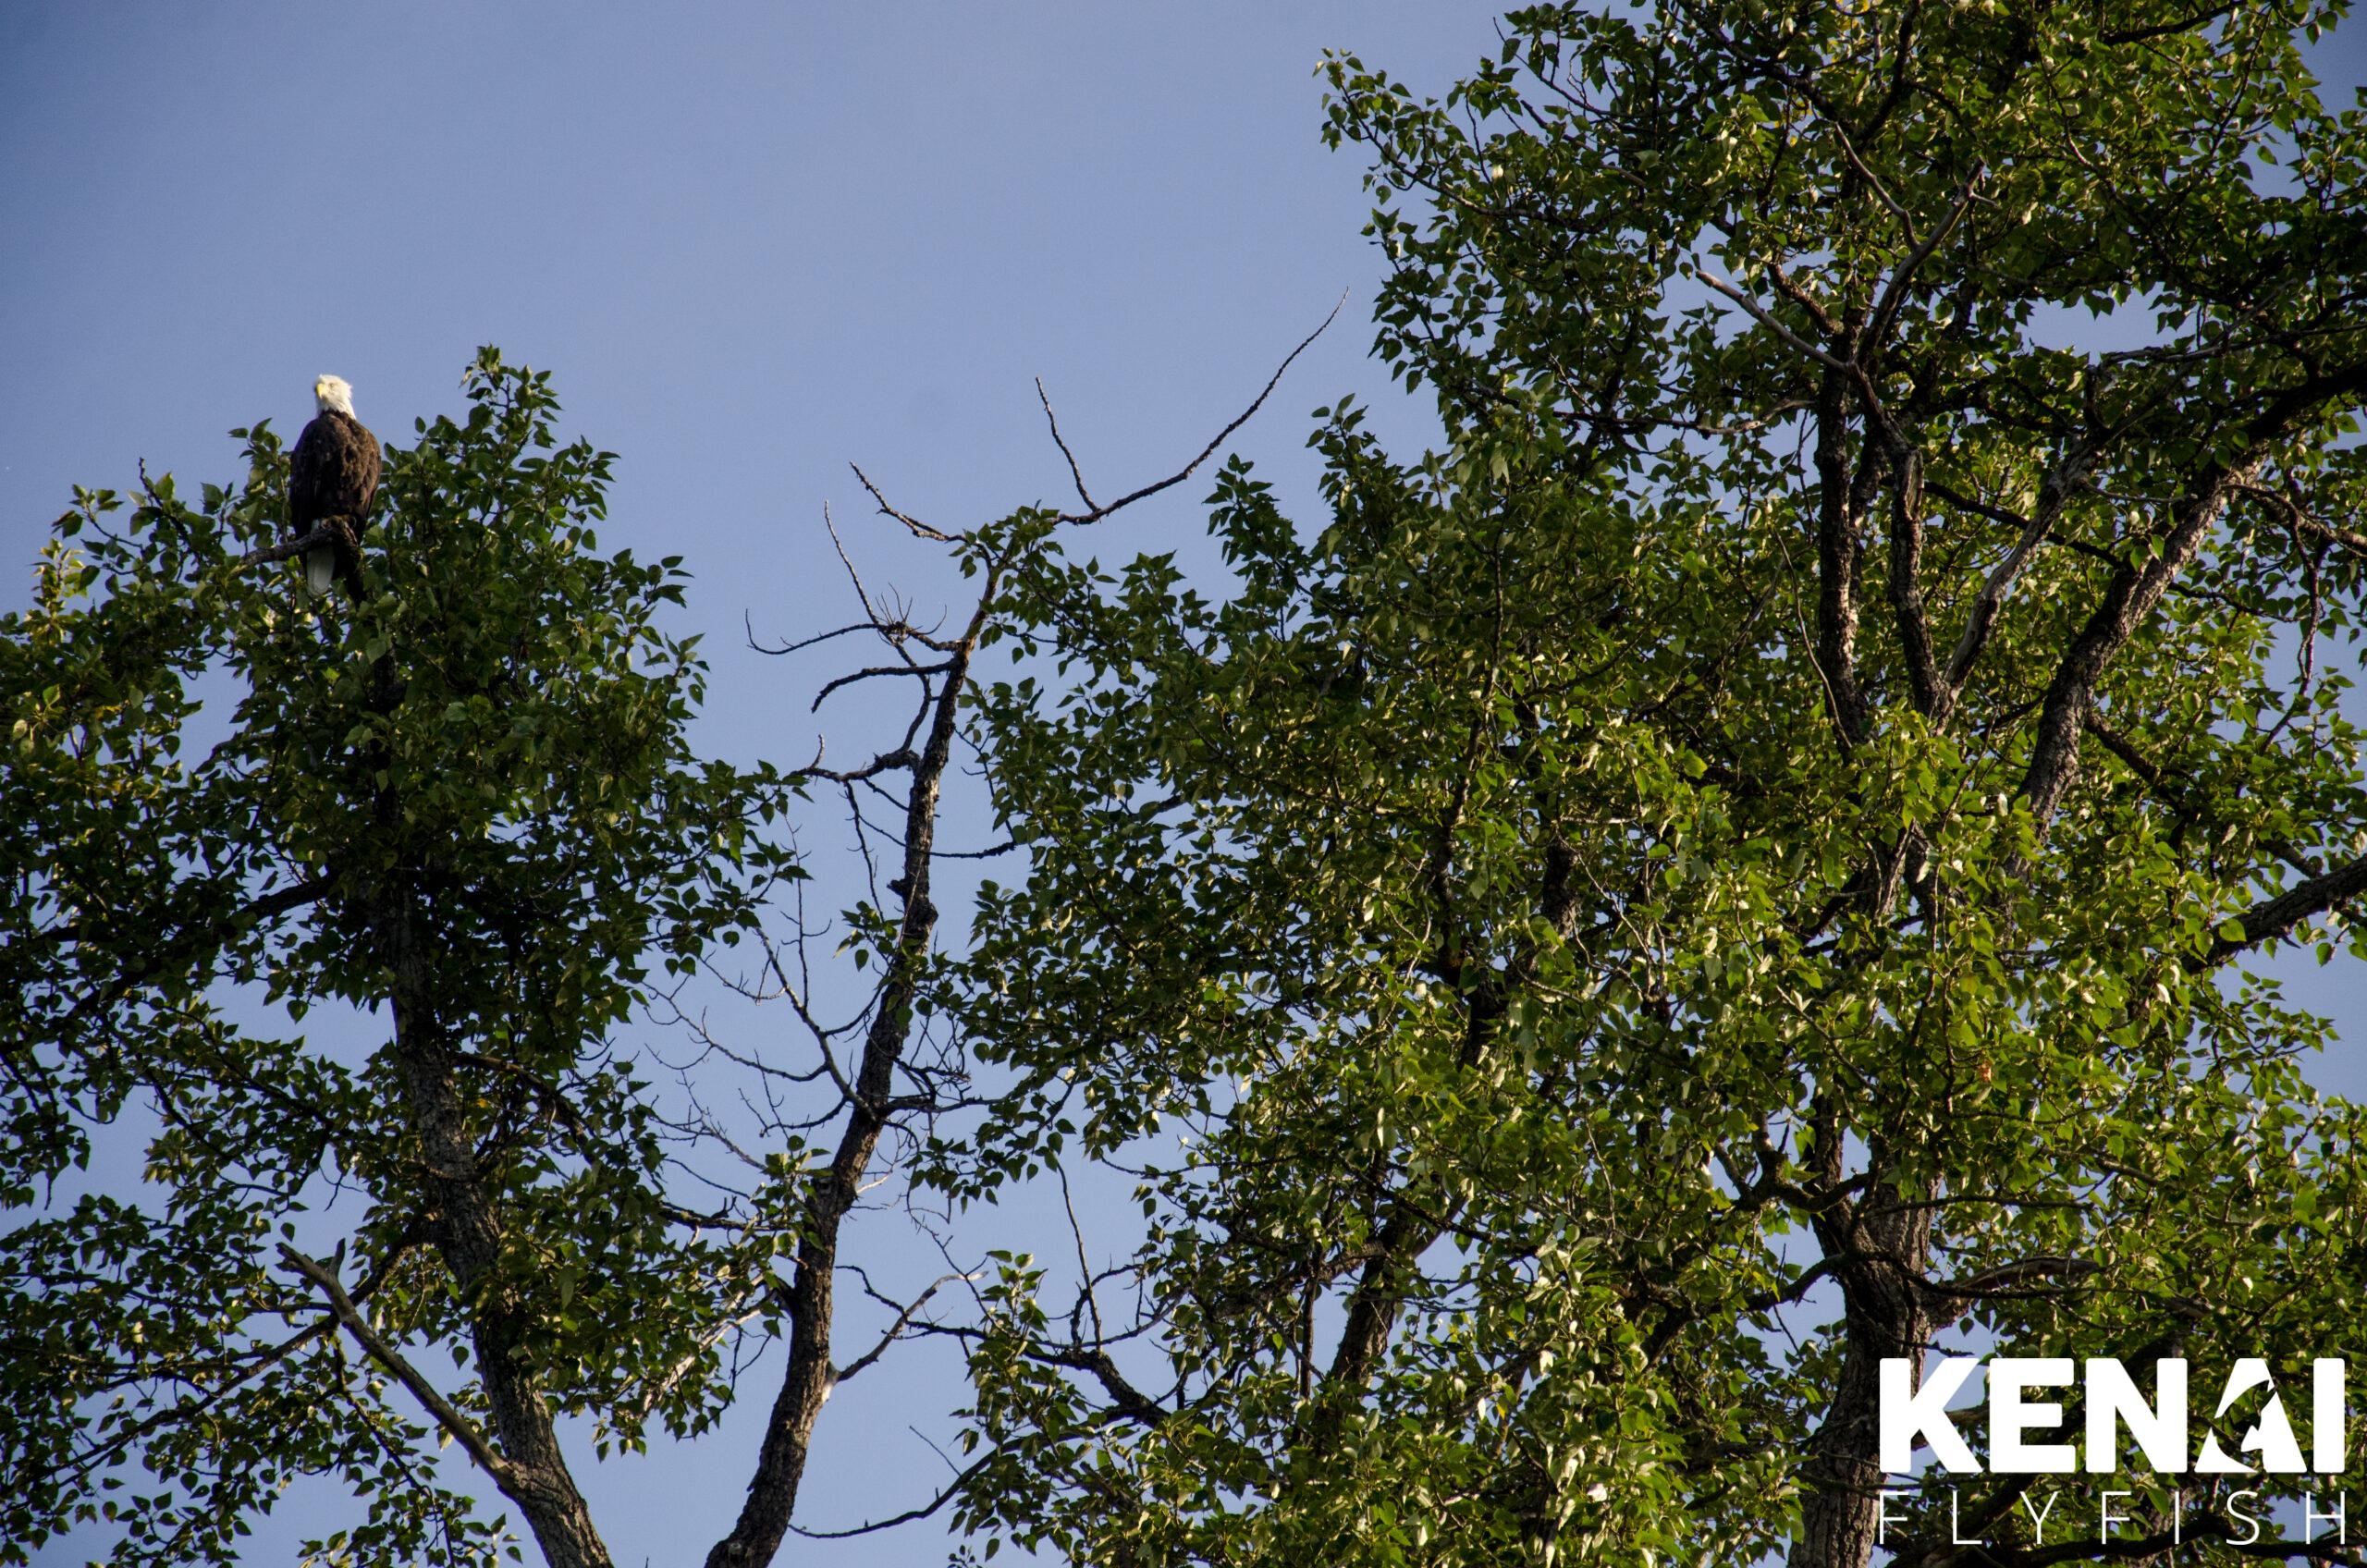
[332, 393]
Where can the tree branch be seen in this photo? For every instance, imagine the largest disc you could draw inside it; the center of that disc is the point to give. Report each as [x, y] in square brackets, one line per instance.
[1095, 514]
[2269, 921]
[461, 1429]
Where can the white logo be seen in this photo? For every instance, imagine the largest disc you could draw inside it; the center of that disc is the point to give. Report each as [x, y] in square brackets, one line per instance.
[2158, 1426]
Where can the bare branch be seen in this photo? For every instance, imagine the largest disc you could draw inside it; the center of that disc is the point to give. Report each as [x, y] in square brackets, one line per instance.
[952, 1490]
[1095, 514]
[854, 576]
[895, 1331]
[919, 529]
[922, 670]
[806, 1381]
[1074, 472]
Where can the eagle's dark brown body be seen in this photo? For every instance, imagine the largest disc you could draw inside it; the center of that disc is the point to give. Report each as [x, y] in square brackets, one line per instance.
[333, 473]
[332, 476]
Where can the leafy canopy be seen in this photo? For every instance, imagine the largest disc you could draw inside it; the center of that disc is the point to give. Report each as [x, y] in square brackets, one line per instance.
[1749, 860]
[464, 791]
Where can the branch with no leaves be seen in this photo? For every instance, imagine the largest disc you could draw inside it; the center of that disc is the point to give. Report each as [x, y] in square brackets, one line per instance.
[1095, 511]
[866, 1093]
[1075, 473]
[952, 1491]
[1095, 514]
[895, 1330]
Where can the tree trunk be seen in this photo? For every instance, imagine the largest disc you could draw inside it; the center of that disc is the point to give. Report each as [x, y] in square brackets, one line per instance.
[1884, 1315]
[465, 1224]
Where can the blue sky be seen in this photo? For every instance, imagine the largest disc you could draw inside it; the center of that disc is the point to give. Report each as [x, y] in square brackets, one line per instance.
[752, 242]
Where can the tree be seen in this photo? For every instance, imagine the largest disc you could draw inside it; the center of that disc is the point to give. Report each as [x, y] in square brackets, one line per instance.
[1753, 858]
[458, 798]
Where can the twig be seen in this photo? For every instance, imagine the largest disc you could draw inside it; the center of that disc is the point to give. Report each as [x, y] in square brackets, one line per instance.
[1074, 472]
[919, 528]
[952, 1490]
[903, 1319]
[1095, 514]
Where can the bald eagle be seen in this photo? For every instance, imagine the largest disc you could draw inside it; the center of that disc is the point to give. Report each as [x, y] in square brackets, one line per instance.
[332, 475]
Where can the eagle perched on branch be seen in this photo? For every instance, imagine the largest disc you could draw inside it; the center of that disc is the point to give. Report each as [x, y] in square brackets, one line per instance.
[333, 474]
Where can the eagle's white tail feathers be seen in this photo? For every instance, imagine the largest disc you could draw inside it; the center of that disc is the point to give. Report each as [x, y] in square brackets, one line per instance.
[320, 569]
